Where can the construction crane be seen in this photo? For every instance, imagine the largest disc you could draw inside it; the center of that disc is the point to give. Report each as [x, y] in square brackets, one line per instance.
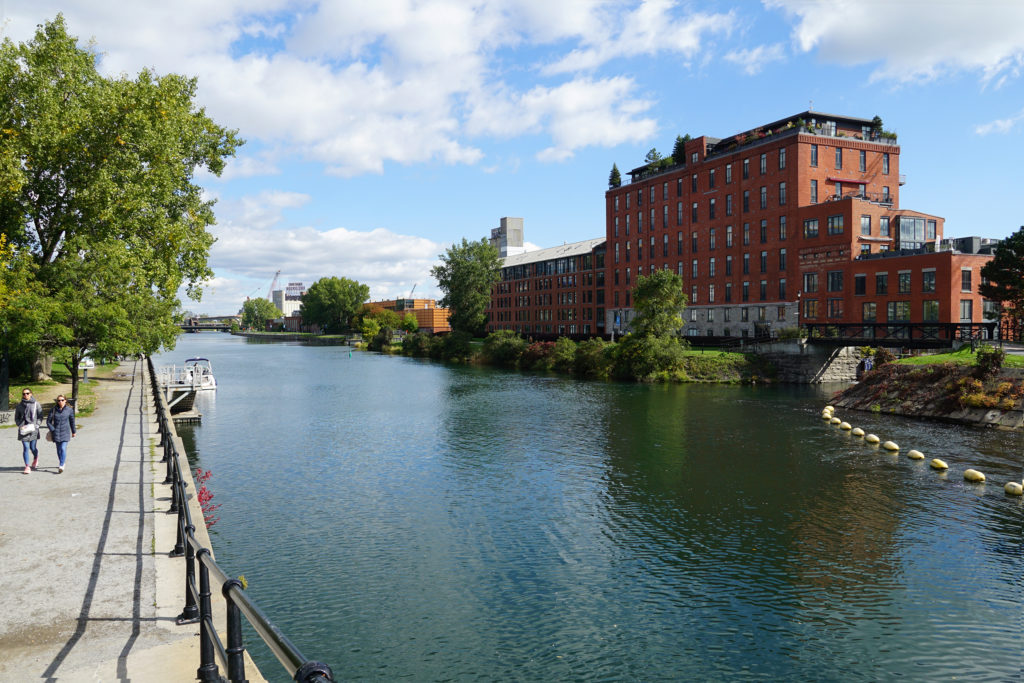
[273, 286]
[412, 290]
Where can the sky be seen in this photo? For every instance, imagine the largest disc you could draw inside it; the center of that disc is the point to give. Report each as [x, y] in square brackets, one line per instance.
[379, 133]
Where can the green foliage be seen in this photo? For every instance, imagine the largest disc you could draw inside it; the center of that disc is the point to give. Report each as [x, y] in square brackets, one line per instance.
[537, 356]
[593, 358]
[1003, 276]
[614, 178]
[659, 302]
[653, 156]
[455, 346]
[647, 358]
[331, 302]
[466, 275]
[422, 345]
[679, 148]
[234, 326]
[97, 186]
[989, 361]
[256, 313]
[883, 356]
[409, 323]
[563, 355]
[369, 328]
[503, 348]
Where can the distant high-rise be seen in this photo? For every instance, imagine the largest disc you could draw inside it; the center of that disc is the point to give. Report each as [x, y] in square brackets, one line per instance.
[508, 237]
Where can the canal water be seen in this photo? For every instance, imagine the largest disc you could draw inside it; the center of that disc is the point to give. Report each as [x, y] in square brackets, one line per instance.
[401, 519]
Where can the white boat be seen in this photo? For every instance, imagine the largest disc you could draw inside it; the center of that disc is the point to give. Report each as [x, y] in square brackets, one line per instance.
[198, 372]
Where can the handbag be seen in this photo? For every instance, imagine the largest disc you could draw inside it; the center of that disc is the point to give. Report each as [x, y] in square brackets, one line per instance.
[49, 435]
[26, 429]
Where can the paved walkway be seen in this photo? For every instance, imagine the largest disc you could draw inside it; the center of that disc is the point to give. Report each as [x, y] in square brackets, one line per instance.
[87, 592]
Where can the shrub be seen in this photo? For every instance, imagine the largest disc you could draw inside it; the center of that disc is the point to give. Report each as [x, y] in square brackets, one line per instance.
[503, 348]
[537, 356]
[989, 361]
[418, 345]
[563, 355]
[593, 358]
[647, 358]
[455, 346]
[883, 356]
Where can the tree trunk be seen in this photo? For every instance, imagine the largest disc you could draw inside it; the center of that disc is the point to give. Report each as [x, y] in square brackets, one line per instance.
[76, 358]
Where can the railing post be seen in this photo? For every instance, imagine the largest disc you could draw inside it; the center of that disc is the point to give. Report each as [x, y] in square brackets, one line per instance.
[235, 648]
[190, 614]
[207, 670]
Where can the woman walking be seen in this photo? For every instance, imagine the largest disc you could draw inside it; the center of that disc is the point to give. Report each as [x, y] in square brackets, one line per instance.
[61, 422]
[27, 415]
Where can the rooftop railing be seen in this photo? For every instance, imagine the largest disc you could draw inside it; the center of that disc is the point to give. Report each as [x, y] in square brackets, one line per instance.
[198, 596]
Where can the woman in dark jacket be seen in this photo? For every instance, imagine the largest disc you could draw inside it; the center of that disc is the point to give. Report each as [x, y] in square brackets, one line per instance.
[27, 415]
[61, 422]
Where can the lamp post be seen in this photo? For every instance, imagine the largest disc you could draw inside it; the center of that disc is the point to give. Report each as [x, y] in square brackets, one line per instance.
[798, 297]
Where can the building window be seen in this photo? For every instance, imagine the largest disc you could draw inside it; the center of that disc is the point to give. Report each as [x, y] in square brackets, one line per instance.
[652, 194]
[965, 280]
[782, 228]
[782, 259]
[863, 161]
[929, 232]
[865, 225]
[903, 282]
[835, 280]
[639, 197]
[711, 208]
[865, 249]
[651, 252]
[728, 298]
[693, 315]
[835, 308]
[835, 225]
[763, 292]
[782, 194]
[746, 169]
[764, 197]
[679, 268]
[814, 155]
[764, 164]
[664, 216]
[652, 223]
[764, 261]
[811, 308]
[679, 187]
[746, 291]
[746, 234]
[885, 163]
[664, 245]
[782, 158]
[728, 173]
[694, 158]
[693, 182]
[693, 212]
[728, 264]
[869, 311]
[782, 291]
[711, 267]
[839, 158]
[711, 238]
[764, 231]
[814, 192]
[664, 191]
[616, 278]
[693, 294]
[639, 249]
[679, 213]
[616, 252]
[693, 269]
[693, 241]
[883, 226]
[627, 223]
[881, 283]
[746, 264]
[628, 252]
[929, 310]
[711, 300]
[928, 281]
[627, 277]
[639, 222]
[679, 243]
[728, 236]
[885, 193]
[810, 282]
[860, 284]
[711, 179]
[616, 202]
[728, 205]
[746, 201]
[811, 227]
[898, 311]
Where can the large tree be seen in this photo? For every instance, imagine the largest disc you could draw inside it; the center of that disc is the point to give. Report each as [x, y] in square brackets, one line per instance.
[1003, 276]
[466, 274]
[102, 198]
[331, 302]
[257, 312]
[659, 302]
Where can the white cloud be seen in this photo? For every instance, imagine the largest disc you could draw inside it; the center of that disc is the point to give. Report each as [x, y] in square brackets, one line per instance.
[1000, 125]
[913, 41]
[753, 61]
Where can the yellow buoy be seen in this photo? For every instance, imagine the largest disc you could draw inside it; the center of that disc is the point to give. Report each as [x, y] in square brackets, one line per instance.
[829, 408]
[915, 455]
[890, 446]
[973, 475]
[1014, 488]
[835, 420]
[825, 415]
[871, 438]
[939, 464]
[845, 425]
[857, 431]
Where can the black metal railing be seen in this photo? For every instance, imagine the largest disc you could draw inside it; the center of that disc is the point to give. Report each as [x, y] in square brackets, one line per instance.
[198, 597]
[927, 334]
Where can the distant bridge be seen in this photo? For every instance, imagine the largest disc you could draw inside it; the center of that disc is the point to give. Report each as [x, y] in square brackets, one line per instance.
[220, 323]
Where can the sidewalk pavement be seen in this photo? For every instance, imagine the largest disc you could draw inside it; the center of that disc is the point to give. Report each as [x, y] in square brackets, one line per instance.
[87, 591]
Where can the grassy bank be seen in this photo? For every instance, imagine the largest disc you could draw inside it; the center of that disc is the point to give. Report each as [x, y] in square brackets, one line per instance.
[46, 392]
[962, 357]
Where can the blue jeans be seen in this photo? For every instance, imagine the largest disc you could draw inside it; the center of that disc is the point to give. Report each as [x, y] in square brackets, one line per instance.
[27, 447]
[62, 452]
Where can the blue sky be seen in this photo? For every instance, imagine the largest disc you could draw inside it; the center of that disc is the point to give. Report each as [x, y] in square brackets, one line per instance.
[379, 133]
